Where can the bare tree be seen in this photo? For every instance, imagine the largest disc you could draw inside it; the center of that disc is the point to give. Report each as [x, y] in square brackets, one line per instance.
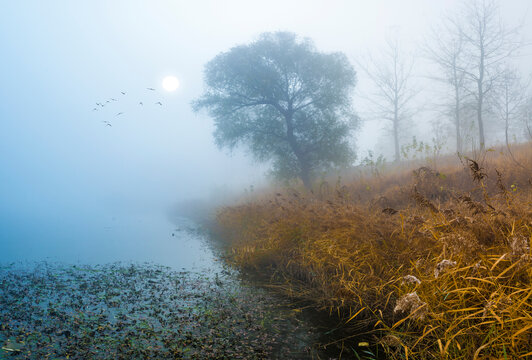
[393, 95]
[510, 99]
[445, 49]
[488, 45]
[527, 118]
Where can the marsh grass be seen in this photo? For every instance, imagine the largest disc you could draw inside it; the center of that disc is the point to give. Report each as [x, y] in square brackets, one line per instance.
[431, 262]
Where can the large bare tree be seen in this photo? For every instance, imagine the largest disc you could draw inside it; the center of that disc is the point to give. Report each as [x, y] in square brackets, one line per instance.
[488, 45]
[393, 95]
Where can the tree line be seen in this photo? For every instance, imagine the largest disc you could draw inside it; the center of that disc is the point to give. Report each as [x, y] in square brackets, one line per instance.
[291, 104]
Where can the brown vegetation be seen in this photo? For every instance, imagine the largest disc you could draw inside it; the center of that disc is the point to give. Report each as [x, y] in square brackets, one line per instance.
[435, 262]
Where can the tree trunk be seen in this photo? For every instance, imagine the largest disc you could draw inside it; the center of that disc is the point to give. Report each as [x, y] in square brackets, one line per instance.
[396, 133]
[480, 88]
[506, 114]
[457, 120]
[480, 121]
[506, 134]
[305, 176]
[458, 137]
[304, 166]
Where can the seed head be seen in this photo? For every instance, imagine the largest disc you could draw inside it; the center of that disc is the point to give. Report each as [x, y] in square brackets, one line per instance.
[442, 266]
[411, 279]
[411, 304]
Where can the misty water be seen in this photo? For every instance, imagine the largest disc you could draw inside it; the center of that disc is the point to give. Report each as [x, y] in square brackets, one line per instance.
[150, 236]
[133, 284]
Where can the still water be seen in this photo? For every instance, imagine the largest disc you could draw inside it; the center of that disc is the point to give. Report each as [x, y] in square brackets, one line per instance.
[123, 236]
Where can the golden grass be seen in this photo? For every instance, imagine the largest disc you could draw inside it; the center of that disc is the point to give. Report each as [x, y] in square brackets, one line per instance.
[436, 262]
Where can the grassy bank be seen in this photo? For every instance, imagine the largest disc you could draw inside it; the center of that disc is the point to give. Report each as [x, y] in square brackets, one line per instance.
[431, 262]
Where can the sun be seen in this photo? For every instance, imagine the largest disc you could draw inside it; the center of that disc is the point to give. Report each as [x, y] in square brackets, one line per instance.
[170, 83]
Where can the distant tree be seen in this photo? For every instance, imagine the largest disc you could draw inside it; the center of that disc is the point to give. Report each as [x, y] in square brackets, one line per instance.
[393, 93]
[488, 44]
[285, 101]
[510, 98]
[445, 49]
[527, 119]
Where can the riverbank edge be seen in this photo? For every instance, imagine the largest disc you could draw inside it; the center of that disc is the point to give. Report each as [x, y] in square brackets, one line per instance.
[430, 262]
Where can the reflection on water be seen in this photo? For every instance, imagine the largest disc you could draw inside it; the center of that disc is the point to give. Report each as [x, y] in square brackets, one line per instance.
[137, 237]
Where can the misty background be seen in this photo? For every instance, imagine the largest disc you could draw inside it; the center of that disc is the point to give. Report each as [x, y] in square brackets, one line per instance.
[73, 188]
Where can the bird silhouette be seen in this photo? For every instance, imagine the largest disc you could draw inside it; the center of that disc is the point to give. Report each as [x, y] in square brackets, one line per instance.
[94, 109]
[140, 103]
[107, 123]
[152, 89]
[120, 113]
[113, 99]
[159, 103]
[123, 93]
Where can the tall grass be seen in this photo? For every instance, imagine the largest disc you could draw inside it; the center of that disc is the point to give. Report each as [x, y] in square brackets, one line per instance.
[434, 263]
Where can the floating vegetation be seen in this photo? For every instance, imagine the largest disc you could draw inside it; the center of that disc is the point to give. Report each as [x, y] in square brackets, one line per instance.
[132, 311]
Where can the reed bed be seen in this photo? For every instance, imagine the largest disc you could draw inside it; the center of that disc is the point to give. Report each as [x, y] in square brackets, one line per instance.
[428, 262]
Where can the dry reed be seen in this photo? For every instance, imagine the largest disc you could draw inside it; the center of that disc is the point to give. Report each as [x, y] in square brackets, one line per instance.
[435, 262]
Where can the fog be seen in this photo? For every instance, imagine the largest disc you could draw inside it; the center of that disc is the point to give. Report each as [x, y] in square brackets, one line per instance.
[74, 188]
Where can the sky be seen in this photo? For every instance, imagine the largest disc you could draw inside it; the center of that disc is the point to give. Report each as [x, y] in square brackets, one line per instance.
[60, 163]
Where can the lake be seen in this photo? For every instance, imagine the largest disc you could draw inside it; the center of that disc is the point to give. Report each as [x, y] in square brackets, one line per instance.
[134, 286]
[149, 236]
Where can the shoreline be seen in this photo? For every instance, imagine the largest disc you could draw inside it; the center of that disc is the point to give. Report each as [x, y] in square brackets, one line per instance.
[434, 261]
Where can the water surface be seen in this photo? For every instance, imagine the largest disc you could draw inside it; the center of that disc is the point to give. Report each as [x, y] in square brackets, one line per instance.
[137, 236]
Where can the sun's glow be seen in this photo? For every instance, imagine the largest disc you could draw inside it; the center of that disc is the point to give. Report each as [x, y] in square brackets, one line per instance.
[170, 83]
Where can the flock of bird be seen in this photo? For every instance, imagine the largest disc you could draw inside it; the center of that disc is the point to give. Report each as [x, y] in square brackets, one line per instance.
[100, 105]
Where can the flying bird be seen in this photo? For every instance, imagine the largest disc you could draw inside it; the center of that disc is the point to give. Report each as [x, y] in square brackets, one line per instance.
[152, 89]
[94, 109]
[159, 103]
[113, 99]
[140, 103]
[107, 123]
[120, 113]
[123, 93]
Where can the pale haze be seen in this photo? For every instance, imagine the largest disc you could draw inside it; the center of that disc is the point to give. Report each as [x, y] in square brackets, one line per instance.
[72, 186]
